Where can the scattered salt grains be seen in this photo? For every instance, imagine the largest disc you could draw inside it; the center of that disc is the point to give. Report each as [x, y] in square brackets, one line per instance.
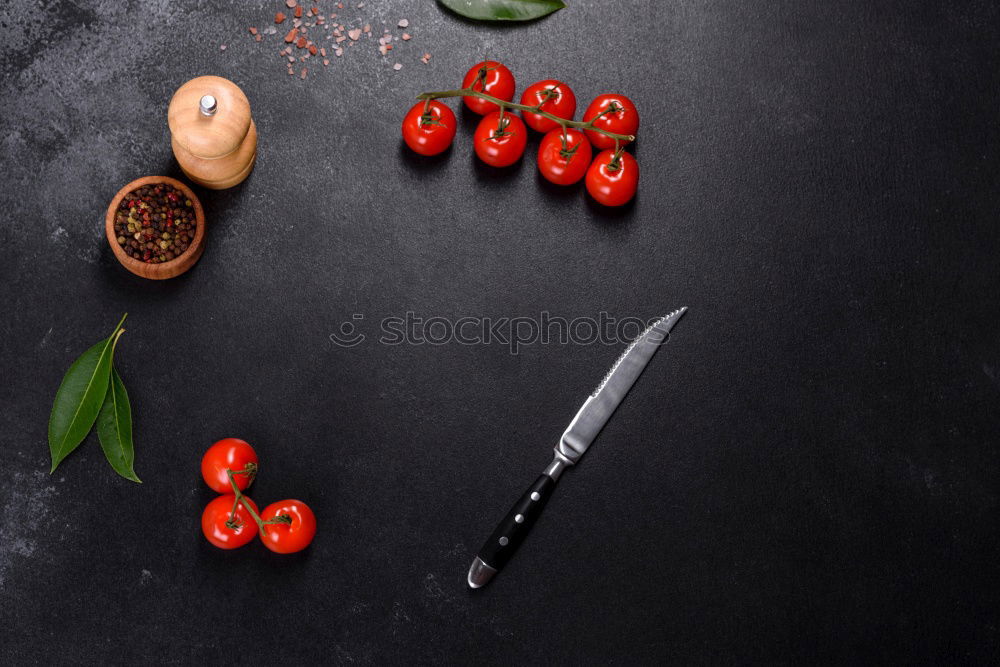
[307, 18]
[222, 47]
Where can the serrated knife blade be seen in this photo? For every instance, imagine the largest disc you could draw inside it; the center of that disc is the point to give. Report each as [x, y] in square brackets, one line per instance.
[578, 436]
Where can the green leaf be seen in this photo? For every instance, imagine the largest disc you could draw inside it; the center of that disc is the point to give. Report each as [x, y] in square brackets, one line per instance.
[114, 428]
[79, 398]
[503, 10]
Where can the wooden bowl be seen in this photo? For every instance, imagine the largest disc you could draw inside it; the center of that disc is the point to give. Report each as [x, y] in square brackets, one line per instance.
[162, 270]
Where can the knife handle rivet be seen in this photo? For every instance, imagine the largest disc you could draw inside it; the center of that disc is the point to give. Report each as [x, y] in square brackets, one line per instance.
[503, 541]
[519, 518]
[534, 495]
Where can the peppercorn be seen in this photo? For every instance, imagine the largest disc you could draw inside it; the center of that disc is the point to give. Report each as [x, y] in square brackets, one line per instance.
[155, 223]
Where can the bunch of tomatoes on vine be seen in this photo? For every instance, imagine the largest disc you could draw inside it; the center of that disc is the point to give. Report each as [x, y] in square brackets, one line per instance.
[566, 151]
[232, 520]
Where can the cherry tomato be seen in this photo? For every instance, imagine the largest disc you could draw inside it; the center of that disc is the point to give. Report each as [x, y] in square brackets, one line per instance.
[555, 97]
[564, 160]
[229, 453]
[287, 538]
[613, 187]
[500, 147]
[497, 81]
[219, 513]
[621, 119]
[429, 132]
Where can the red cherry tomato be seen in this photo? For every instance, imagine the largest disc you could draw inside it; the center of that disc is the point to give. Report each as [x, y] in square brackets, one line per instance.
[500, 147]
[219, 513]
[621, 118]
[496, 80]
[229, 453]
[555, 97]
[564, 160]
[613, 187]
[429, 132]
[287, 538]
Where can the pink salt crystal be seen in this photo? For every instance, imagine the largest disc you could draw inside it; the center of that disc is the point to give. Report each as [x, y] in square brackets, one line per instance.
[367, 28]
[403, 23]
[304, 70]
[406, 36]
[397, 66]
[354, 34]
[325, 62]
[222, 48]
[290, 4]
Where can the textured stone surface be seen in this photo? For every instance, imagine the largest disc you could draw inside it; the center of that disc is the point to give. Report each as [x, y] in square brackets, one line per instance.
[807, 472]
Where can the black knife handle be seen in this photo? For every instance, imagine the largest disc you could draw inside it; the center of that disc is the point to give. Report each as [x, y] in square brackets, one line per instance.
[510, 533]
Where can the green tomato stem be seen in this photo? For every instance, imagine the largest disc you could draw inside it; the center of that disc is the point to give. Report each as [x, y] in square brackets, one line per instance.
[503, 104]
[239, 499]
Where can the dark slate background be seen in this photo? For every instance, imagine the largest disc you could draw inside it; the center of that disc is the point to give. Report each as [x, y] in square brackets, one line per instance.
[807, 472]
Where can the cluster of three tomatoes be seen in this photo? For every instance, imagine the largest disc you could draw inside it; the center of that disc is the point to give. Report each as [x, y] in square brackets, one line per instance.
[565, 154]
[229, 528]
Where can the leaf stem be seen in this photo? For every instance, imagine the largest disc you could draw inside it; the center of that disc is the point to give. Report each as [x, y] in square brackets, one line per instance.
[120, 323]
[503, 104]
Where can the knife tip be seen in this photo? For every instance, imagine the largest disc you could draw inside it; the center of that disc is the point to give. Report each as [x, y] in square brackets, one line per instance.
[673, 316]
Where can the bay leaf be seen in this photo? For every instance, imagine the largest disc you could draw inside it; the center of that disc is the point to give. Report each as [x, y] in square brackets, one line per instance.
[503, 10]
[79, 398]
[114, 428]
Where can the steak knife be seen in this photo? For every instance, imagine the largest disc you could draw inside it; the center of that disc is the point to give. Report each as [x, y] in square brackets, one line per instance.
[581, 432]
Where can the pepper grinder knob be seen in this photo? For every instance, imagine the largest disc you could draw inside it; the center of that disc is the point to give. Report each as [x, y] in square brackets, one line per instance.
[208, 105]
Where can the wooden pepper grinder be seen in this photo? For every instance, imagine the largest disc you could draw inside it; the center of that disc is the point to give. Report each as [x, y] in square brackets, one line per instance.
[212, 133]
